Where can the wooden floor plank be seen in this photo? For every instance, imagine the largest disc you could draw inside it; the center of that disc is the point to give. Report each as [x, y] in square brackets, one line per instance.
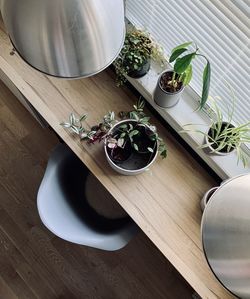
[5, 290]
[12, 256]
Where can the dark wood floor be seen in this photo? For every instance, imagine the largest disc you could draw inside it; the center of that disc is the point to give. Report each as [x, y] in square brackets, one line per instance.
[36, 264]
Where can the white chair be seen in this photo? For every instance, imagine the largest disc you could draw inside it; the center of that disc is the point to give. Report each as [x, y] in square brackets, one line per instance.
[64, 210]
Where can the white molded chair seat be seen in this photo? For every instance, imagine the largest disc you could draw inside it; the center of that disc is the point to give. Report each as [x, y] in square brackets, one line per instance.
[64, 210]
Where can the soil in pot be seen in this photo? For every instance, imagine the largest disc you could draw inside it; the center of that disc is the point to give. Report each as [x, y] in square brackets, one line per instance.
[225, 149]
[120, 155]
[141, 71]
[136, 161]
[165, 80]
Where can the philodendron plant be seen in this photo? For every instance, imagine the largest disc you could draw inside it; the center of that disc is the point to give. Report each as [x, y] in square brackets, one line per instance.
[182, 72]
[223, 137]
[127, 136]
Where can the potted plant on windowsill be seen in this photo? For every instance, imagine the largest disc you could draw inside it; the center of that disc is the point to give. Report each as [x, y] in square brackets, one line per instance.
[222, 137]
[134, 59]
[171, 83]
[130, 144]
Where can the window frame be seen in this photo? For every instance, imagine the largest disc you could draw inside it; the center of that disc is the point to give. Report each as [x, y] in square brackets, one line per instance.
[185, 113]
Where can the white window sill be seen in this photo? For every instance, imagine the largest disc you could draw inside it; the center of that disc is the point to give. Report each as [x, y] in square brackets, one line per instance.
[183, 113]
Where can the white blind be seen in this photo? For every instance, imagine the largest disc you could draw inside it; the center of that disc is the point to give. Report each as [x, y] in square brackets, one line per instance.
[220, 28]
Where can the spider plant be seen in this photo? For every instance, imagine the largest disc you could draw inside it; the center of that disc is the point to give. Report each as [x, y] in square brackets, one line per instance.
[223, 136]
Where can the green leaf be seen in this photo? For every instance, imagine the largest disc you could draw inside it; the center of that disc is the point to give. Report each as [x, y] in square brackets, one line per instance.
[130, 127]
[150, 149]
[164, 154]
[145, 119]
[133, 133]
[124, 126]
[65, 125]
[72, 118]
[136, 147]
[181, 46]
[188, 75]
[74, 129]
[83, 117]
[176, 54]
[183, 63]
[206, 85]
[134, 115]
[120, 142]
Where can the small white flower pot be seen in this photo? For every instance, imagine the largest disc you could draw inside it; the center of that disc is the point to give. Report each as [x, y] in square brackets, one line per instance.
[163, 98]
[133, 165]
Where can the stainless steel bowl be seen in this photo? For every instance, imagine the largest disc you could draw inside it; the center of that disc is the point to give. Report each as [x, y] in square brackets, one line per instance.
[66, 38]
[226, 235]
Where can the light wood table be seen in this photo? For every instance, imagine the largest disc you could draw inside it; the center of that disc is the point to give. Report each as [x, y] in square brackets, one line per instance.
[164, 202]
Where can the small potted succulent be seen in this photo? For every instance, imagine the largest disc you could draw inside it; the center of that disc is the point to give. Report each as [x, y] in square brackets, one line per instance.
[223, 137]
[130, 144]
[134, 59]
[171, 83]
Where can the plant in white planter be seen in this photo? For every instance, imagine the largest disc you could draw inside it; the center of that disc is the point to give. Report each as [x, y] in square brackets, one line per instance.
[134, 59]
[223, 137]
[171, 83]
[131, 144]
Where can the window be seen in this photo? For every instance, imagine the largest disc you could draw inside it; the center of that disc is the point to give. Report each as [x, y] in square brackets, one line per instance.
[221, 30]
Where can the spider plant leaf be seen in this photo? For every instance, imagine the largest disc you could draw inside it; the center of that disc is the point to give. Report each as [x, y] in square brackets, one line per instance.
[176, 54]
[181, 46]
[182, 63]
[206, 85]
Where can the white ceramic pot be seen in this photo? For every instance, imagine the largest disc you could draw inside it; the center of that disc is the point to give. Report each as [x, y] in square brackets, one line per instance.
[130, 162]
[163, 98]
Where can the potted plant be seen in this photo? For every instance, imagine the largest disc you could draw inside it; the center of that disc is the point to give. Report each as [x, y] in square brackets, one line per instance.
[131, 144]
[134, 59]
[223, 137]
[171, 83]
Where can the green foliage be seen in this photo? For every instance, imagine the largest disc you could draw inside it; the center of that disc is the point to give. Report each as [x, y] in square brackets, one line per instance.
[223, 136]
[188, 75]
[138, 48]
[183, 63]
[206, 84]
[183, 67]
[126, 131]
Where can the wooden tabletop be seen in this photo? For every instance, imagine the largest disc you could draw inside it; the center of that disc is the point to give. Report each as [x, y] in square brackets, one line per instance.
[164, 202]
